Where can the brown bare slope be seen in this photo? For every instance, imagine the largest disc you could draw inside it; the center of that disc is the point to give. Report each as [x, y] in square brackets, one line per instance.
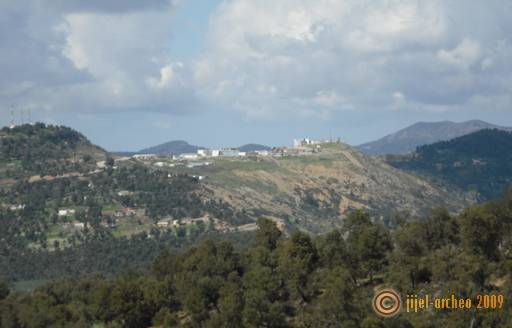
[315, 192]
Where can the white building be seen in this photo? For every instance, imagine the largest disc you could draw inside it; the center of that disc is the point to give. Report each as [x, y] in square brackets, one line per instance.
[230, 152]
[162, 224]
[215, 153]
[167, 222]
[17, 207]
[297, 143]
[189, 156]
[198, 164]
[160, 164]
[143, 156]
[203, 152]
[66, 212]
[79, 225]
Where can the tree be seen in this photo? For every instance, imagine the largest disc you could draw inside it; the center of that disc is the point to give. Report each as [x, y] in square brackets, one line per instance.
[267, 235]
[230, 304]
[482, 229]
[128, 303]
[165, 264]
[338, 304]
[265, 298]
[408, 266]
[110, 161]
[370, 243]
[332, 250]
[297, 260]
[440, 229]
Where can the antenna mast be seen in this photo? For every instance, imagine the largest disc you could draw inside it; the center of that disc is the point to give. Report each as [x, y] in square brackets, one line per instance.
[12, 115]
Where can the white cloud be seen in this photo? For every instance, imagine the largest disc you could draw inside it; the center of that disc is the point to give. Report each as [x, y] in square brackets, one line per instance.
[325, 56]
[168, 76]
[464, 55]
[327, 98]
[264, 59]
[112, 57]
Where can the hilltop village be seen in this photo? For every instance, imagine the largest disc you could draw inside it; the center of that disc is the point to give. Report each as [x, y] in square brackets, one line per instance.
[300, 147]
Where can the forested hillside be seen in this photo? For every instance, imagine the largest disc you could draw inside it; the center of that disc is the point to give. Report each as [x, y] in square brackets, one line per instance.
[31, 233]
[424, 133]
[39, 149]
[297, 280]
[481, 162]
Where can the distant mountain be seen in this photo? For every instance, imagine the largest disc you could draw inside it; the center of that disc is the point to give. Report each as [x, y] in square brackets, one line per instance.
[423, 133]
[254, 147]
[480, 162]
[171, 148]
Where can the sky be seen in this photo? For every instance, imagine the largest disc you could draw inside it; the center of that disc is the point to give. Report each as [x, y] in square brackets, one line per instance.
[131, 74]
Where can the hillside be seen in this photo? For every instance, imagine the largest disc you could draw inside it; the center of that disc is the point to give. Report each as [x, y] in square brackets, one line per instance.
[171, 148]
[65, 202]
[423, 133]
[315, 192]
[297, 280]
[480, 162]
[41, 149]
[66, 209]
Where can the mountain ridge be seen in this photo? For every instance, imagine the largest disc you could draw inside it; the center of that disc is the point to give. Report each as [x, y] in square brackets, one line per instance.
[479, 161]
[422, 133]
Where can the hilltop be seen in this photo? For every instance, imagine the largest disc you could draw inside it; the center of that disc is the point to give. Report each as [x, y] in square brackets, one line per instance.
[423, 133]
[39, 149]
[315, 191]
[479, 162]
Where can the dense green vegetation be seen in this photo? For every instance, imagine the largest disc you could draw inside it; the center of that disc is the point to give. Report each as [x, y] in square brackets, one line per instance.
[296, 280]
[41, 149]
[37, 243]
[480, 161]
[120, 269]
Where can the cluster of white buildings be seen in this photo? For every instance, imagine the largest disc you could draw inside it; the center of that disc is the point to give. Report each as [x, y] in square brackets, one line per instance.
[202, 153]
[298, 145]
[169, 222]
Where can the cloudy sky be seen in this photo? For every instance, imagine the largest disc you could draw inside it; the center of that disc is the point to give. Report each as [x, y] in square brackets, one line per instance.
[132, 73]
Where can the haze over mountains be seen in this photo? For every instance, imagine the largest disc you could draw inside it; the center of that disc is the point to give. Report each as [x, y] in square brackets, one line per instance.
[406, 140]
